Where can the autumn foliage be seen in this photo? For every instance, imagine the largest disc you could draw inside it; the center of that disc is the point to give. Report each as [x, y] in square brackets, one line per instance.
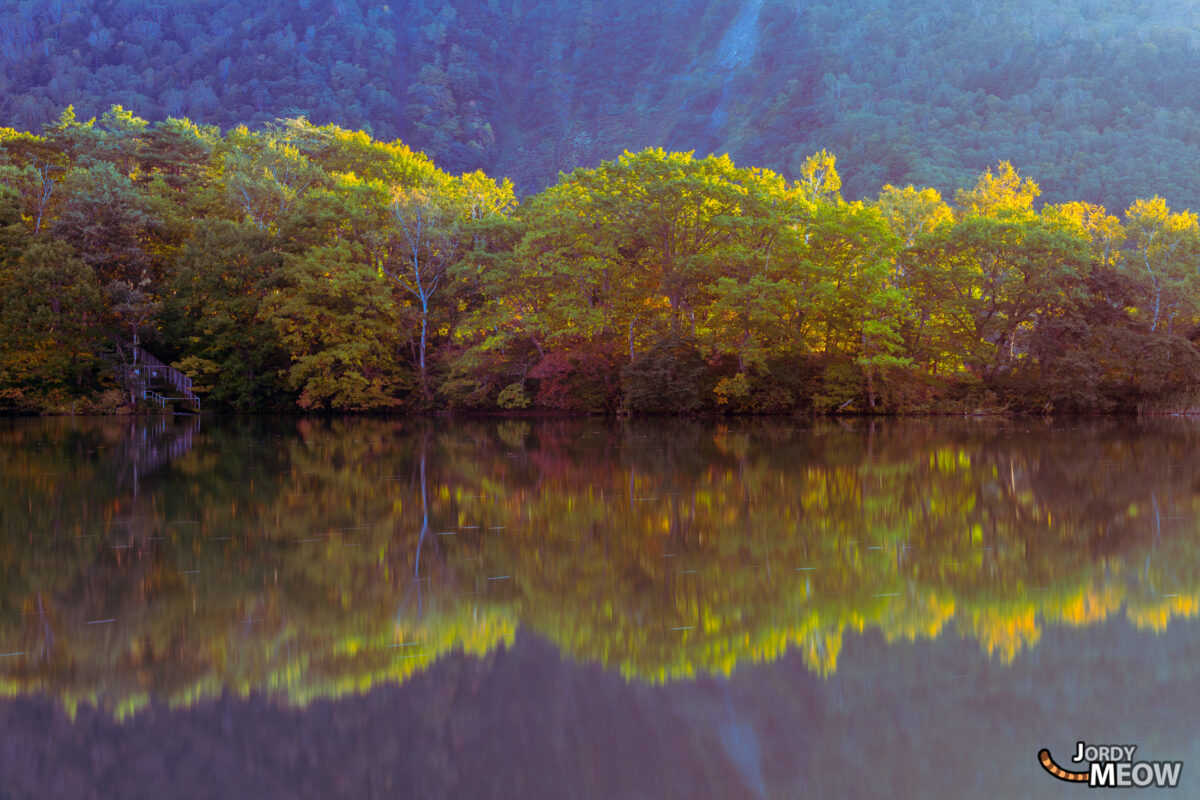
[315, 268]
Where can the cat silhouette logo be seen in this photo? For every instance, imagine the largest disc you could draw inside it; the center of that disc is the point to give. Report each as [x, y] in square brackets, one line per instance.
[1112, 766]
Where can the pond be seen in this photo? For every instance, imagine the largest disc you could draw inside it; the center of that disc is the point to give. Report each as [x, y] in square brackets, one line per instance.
[592, 608]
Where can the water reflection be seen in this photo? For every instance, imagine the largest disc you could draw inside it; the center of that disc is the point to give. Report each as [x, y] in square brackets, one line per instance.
[310, 558]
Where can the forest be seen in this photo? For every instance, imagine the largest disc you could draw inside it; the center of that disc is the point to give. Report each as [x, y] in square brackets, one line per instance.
[304, 267]
[1095, 99]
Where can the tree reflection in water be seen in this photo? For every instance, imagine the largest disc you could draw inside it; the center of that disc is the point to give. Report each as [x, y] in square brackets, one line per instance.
[310, 558]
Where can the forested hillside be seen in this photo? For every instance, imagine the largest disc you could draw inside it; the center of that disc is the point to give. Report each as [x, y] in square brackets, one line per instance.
[1097, 99]
[313, 267]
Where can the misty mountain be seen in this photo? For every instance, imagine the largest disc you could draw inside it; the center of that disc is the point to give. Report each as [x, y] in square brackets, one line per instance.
[1095, 100]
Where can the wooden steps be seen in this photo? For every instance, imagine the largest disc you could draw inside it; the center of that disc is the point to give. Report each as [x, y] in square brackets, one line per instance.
[155, 381]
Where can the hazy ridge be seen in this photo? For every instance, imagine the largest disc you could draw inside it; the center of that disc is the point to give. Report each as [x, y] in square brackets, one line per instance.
[1094, 100]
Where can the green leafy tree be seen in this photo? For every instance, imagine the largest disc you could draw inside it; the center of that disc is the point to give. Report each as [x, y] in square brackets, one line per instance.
[50, 302]
[1162, 247]
[763, 296]
[993, 278]
[336, 318]
[1002, 193]
[428, 234]
[177, 150]
[216, 315]
[865, 310]
[34, 168]
[108, 222]
[265, 176]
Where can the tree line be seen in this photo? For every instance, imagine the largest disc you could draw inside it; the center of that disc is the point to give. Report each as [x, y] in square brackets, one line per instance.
[316, 268]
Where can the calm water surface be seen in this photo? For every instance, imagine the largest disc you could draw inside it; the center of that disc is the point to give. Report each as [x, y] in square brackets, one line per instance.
[592, 609]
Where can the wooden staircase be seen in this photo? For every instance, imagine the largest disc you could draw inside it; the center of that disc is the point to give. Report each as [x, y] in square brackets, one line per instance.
[157, 382]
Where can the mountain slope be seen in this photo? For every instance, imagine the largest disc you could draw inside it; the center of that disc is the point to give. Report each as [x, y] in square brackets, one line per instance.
[1096, 100]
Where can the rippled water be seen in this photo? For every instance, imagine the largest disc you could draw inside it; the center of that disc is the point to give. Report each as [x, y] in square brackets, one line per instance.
[588, 608]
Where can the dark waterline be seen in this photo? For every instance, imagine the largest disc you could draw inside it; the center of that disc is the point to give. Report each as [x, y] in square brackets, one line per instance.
[582, 608]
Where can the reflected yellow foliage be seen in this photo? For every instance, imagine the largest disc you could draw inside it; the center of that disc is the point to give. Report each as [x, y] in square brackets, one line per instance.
[283, 662]
[1095, 604]
[321, 558]
[921, 618]
[1003, 633]
[1154, 614]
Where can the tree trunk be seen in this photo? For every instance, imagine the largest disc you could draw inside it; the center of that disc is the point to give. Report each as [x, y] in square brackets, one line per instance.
[424, 328]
